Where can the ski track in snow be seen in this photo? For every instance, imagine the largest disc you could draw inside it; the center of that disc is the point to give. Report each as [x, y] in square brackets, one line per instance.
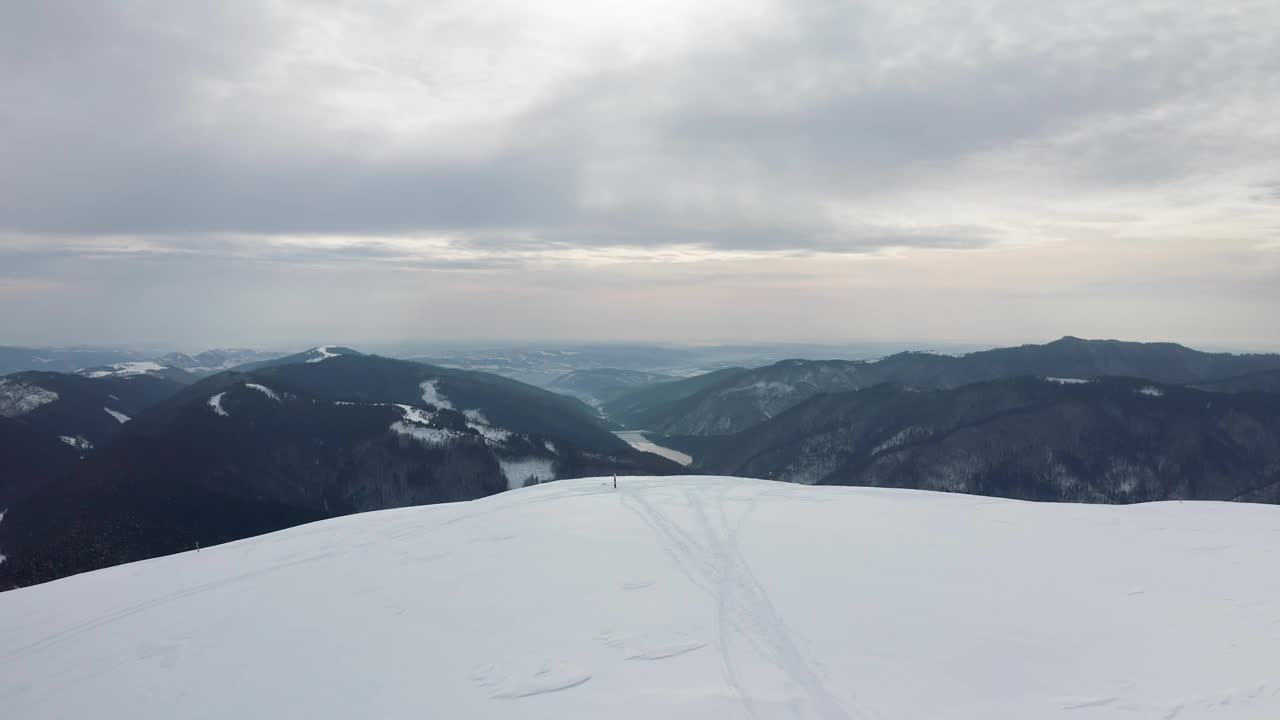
[91, 624]
[708, 554]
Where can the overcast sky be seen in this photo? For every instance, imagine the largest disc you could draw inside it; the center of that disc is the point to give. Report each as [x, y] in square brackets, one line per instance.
[276, 172]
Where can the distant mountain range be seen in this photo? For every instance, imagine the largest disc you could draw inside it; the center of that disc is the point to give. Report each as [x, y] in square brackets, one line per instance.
[1114, 440]
[734, 400]
[544, 365]
[294, 439]
[598, 385]
[133, 458]
[96, 362]
[16, 359]
[212, 361]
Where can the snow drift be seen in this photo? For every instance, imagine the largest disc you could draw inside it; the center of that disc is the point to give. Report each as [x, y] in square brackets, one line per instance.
[687, 597]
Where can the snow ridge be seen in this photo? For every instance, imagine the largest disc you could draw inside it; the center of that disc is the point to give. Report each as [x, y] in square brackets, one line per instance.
[119, 416]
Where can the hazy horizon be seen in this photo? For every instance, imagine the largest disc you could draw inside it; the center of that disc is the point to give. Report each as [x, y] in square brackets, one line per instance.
[406, 348]
[277, 174]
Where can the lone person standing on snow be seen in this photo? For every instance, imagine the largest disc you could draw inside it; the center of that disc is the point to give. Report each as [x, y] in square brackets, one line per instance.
[615, 481]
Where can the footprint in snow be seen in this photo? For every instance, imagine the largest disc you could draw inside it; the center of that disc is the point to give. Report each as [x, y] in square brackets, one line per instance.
[515, 680]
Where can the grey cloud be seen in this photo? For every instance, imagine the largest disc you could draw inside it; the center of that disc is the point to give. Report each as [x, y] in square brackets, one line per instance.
[116, 122]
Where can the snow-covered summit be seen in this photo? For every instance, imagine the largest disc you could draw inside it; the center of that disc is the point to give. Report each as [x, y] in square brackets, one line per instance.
[321, 354]
[686, 597]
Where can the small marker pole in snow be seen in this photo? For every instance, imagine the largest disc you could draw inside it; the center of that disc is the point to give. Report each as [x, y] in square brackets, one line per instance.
[615, 481]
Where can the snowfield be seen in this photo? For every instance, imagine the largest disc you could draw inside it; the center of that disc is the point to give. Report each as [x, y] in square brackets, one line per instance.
[685, 597]
[126, 369]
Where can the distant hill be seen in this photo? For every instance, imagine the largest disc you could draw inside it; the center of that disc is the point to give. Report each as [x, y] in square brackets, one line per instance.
[69, 360]
[217, 360]
[335, 432]
[1112, 441]
[51, 420]
[650, 406]
[18, 359]
[133, 369]
[599, 385]
[731, 403]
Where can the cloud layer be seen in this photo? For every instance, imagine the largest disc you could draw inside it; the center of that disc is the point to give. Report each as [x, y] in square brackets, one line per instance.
[789, 145]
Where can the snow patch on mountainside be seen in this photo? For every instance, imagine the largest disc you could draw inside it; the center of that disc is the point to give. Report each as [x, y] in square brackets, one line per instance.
[215, 403]
[522, 471]
[119, 416]
[19, 398]
[477, 421]
[1067, 381]
[416, 415]
[76, 442]
[1151, 391]
[323, 354]
[431, 395]
[435, 437]
[685, 598]
[264, 390]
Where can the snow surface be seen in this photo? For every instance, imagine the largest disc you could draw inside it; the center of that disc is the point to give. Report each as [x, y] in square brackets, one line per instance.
[264, 390]
[215, 402]
[126, 369]
[324, 354]
[1067, 381]
[638, 441]
[119, 416]
[18, 398]
[76, 442]
[1152, 391]
[686, 598]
